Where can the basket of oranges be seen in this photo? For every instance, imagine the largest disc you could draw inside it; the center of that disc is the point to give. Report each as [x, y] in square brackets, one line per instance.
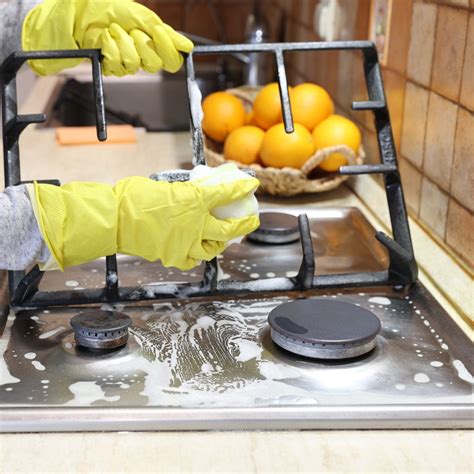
[245, 126]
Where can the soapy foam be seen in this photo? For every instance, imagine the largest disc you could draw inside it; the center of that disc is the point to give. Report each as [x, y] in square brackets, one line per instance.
[382, 300]
[197, 377]
[421, 378]
[86, 392]
[38, 365]
[6, 376]
[463, 373]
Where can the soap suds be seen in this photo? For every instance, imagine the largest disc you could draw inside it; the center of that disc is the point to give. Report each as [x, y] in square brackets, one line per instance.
[5, 376]
[71, 283]
[421, 378]
[380, 300]
[463, 373]
[30, 355]
[436, 363]
[248, 350]
[183, 367]
[85, 393]
[38, 365]
[112, 278]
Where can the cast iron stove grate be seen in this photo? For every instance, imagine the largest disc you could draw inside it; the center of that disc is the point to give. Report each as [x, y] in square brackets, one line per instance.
[402, 270]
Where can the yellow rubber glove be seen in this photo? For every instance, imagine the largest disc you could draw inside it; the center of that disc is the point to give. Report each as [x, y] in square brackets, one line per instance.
[130, 36]
[153, 220]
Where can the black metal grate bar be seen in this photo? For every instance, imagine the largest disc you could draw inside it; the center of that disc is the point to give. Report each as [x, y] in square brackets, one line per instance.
[368, 105]
[111, 278]
[367, 169]
[284, 94]
[14, 124]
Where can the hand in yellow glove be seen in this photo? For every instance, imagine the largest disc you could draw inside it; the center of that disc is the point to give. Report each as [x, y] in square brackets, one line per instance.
[130, 36]
[153, 220]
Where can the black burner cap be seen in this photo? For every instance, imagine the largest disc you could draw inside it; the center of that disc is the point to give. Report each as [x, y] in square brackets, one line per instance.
[276, 228]
[99, 329]
[324, 328]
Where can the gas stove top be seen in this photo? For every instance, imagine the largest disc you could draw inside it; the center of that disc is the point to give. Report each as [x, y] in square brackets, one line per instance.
[353, 340]
[211, 362]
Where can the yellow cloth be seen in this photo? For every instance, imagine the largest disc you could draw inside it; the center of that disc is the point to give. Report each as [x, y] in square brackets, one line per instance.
[152, 220]
[129, 34]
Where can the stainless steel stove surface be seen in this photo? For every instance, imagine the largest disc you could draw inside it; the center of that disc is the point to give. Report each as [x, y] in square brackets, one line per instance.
[210, 363]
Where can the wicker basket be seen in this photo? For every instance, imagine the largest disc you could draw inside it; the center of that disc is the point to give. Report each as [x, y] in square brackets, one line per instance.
[287, 181]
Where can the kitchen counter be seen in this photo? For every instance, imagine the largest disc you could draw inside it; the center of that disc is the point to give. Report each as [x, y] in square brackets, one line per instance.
[368, 451]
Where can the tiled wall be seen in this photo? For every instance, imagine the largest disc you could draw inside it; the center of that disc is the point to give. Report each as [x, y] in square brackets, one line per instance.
[429, 82]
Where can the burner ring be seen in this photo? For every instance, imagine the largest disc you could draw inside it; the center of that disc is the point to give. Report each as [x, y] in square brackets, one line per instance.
[321, 351]
[98, 329]
[324, 329]
[276, 228]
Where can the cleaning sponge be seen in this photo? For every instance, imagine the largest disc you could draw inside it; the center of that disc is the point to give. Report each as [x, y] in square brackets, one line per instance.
[226, 173]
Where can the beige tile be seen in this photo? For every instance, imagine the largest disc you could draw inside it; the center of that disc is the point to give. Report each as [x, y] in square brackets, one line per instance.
[395, 92]
[462, 181]
[449, 51]
[422, 38]
[434, 207]
[400, 35]
[411, 181]
[439, 140]
[414, 123]
[459, 234]
[467, 87]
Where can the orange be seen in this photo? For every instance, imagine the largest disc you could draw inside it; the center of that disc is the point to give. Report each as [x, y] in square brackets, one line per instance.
[223, 113]
[336, 130]
[243, 144]
[267, 106]
[249, 118]
[281, 149]
[310, 105]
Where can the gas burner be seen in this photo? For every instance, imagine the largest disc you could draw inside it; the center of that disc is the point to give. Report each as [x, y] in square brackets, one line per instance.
[276, 228]
[98, 329]
[324, 329]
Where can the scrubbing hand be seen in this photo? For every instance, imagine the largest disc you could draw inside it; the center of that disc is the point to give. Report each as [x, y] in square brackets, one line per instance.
[172, 222]
[130, 36]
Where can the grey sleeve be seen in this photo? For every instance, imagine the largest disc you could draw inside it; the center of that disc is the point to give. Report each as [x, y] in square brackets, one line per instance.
[12, 14]
[21, 243]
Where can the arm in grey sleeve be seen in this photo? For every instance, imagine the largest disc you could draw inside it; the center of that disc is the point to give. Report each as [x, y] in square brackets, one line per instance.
[21, 243]
[12, 14]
